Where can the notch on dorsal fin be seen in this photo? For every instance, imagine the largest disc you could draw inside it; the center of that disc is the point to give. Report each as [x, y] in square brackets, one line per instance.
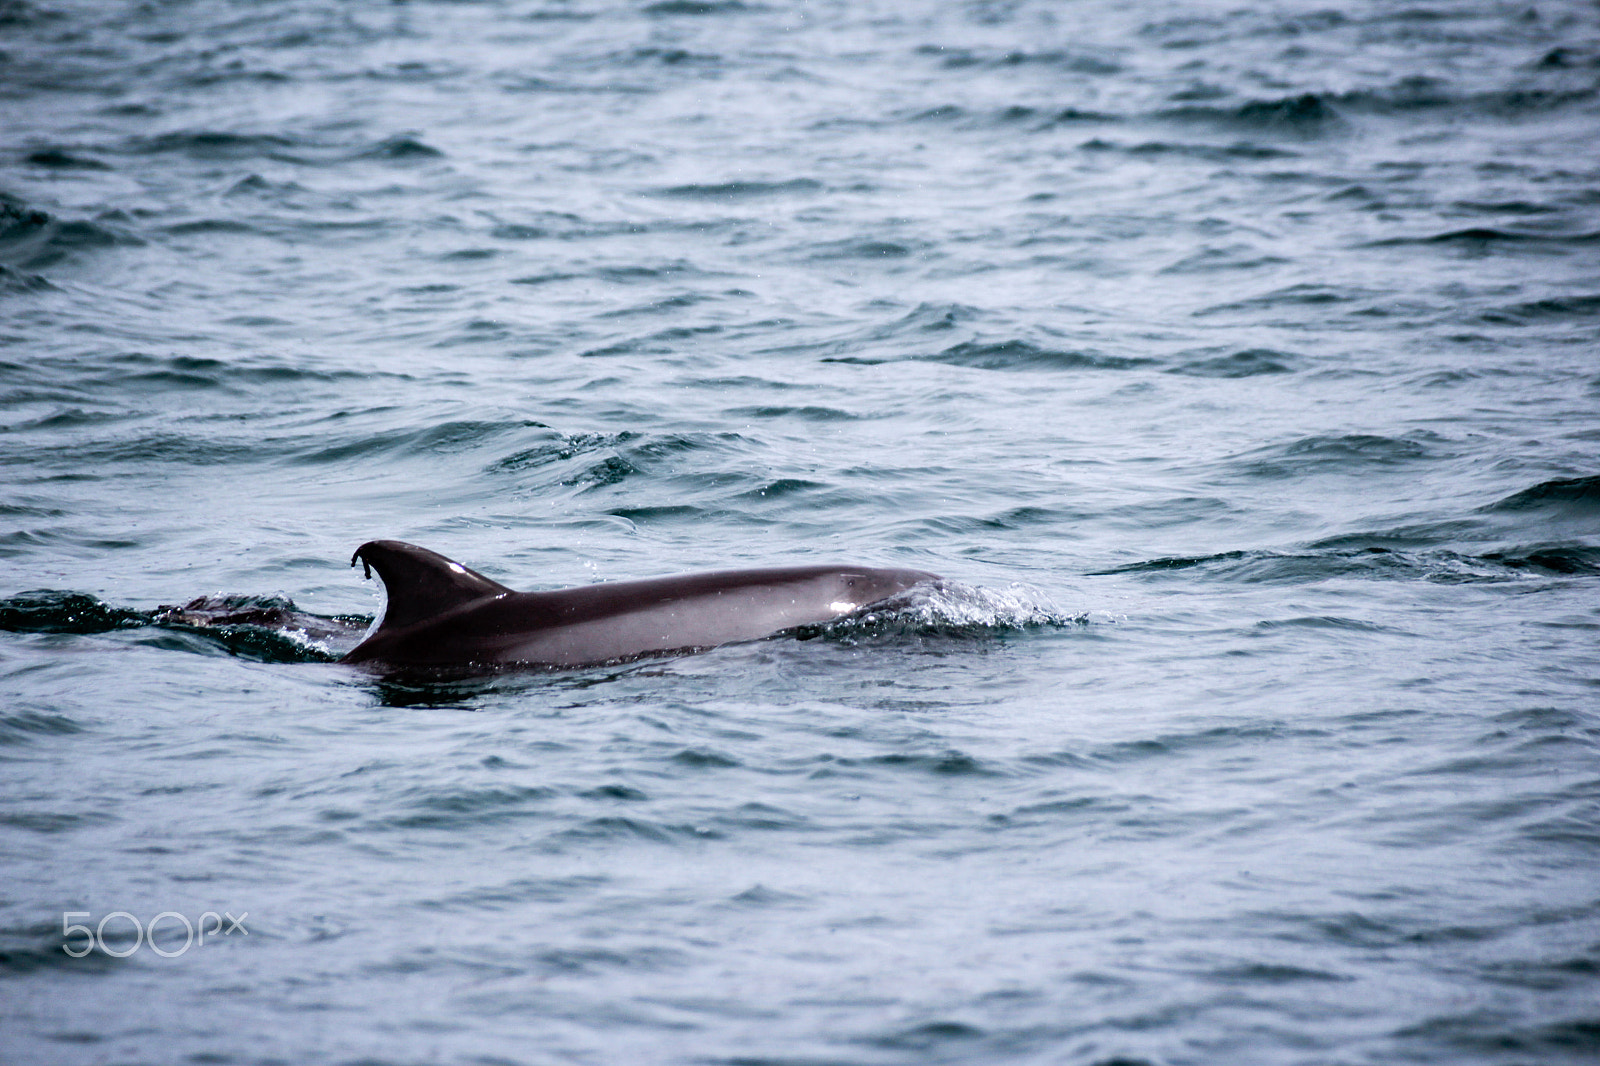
[420, 583]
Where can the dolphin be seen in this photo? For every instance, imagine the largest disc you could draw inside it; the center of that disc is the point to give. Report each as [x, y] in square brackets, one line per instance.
[440, 614]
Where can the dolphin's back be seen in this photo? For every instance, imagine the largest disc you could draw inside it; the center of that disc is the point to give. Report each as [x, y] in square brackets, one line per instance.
[464, 618]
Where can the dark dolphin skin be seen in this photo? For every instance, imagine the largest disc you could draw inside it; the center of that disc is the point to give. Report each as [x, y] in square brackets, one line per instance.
[440, 614]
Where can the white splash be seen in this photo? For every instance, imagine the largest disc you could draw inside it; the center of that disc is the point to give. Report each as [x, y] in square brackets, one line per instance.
[950, 606]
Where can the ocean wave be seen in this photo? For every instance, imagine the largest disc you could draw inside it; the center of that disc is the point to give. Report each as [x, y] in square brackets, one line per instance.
[1422, 93]
[1251, 362]
[158, 448]
[20, 725]
[432, 808]
[1015, 354]
[31, 239]
[400, 146]
[1299, 299]
[669, 8]
[1570, 493]
[217, 144]
[53, 611]
[559, 448]
[1579, 307]
[1369, 560]
[16, 282]
[743, 190]
[233, 146]
[1480, 239]
[1308, 114]
[131, 374]
[1075, 62]
[1033, 117]
[1344, 453]
[441, 438]
[1216, 153]
[869, 248]
[62, 159]
[1320, 113]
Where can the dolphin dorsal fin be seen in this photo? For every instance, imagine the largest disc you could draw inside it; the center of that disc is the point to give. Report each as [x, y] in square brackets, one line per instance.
[420, 583]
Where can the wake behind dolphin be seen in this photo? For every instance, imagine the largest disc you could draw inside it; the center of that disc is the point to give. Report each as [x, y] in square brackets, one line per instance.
[441, 614]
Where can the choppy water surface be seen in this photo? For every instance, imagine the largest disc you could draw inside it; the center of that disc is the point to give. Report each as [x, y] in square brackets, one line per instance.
[1235, 363]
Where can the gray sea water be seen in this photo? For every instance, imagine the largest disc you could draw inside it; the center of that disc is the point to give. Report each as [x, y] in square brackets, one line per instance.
[1238, 366]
